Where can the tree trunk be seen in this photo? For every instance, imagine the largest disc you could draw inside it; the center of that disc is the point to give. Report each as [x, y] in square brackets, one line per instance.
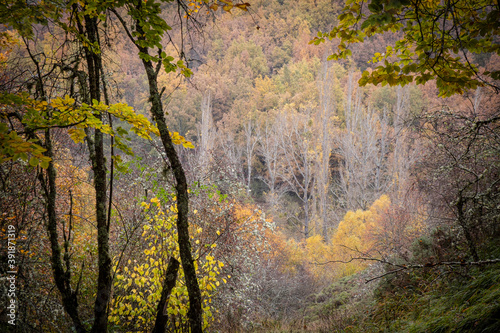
[168, 285]
[62, 278]
[96, 149]
[194, 293]
[195, 311]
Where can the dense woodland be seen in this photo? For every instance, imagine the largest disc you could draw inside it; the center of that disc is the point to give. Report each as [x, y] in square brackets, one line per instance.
[272, 166]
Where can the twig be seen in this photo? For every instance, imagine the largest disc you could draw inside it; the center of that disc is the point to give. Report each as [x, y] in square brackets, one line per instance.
[402, 267]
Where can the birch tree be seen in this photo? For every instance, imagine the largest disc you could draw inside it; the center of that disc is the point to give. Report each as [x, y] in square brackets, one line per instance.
[299, 159]
[252, 136]
[364, 146]
[270, 150]
[324, 146]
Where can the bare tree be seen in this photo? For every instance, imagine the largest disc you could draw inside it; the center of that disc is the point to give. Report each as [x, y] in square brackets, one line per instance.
[404, 153]
[252, 136]
[364, 146]
[324, 121]
[207, 136]
[299, 158]
[232, 152]
[270, 151]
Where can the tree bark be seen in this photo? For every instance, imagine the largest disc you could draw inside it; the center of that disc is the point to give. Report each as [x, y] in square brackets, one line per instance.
[104, 280]
[168, 285]
[195, 309]
[62, 278]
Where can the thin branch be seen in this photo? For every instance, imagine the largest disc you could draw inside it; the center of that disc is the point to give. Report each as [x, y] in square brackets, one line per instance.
[402, 267]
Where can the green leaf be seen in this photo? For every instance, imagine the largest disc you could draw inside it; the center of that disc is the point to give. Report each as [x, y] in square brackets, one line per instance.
[33, 161]
[44, 163]
[375, 7]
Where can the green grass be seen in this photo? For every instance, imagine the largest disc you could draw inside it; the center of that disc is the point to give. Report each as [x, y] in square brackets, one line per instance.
[436, 301]
[470, 304]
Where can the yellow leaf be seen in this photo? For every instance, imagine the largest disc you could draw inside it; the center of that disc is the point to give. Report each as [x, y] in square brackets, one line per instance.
[187, 144]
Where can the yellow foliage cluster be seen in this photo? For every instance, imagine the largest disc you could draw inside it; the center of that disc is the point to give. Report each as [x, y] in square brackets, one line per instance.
[63, 112]
[354, 238]
[139, 284]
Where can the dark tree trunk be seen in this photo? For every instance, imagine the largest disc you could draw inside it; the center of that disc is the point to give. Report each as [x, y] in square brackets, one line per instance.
[62, 277]
[168, 285]
[96, 148]
[195, 311]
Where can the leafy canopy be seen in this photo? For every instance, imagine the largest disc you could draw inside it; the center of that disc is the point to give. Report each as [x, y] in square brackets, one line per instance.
[438, 42]
[64, 113]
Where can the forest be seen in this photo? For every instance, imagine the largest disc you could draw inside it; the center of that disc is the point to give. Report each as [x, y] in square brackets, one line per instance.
[261, 166]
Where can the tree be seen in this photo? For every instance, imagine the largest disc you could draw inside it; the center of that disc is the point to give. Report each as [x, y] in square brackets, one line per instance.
[299, 157]
[364, 147]
[32, 122]
[148, 29]
[35, 122]
[404, 153]
[460, 170]
[252, 137]
[270, 151]
[439, 40]
[207, 136]
[324, 146]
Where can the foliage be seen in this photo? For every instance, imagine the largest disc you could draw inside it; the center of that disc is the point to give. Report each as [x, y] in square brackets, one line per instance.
[64, 113]
[228, 239]
[23, 207]
[12, 145]
[438, 39]
[465, 301]
[139, 285]
[353, 237]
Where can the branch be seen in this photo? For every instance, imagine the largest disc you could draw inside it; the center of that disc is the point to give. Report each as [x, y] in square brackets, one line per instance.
[402, 267]
[33, 129]
[127, 31]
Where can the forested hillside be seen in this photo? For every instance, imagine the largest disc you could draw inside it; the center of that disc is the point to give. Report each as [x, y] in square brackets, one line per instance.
[271, 166]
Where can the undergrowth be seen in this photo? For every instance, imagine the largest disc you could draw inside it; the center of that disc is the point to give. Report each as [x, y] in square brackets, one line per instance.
[436, 301]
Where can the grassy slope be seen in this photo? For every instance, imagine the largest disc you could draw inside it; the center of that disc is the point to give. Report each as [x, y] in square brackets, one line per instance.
[419, 302]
